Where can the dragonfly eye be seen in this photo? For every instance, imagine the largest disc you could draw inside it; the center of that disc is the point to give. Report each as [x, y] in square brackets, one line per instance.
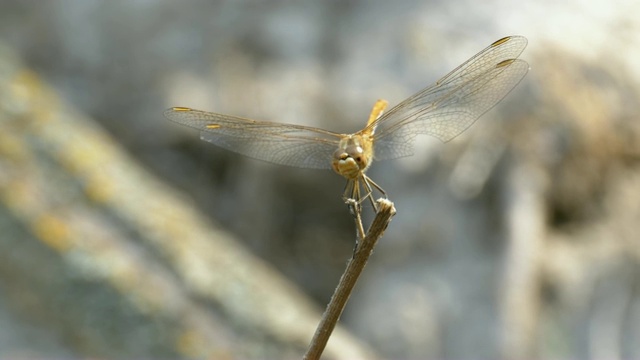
[354, 151]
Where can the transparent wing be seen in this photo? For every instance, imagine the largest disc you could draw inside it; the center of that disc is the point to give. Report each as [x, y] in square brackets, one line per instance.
[448, 107]
[284, 144]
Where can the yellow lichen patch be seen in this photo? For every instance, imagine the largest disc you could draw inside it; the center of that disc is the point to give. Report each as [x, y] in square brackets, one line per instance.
[83, 157]
[76, 161]
[52, 231]
[17, 195]
[12, 147]
[28, 87]
[125, 278]
[99, 188]
[191, 344]
[24, 86]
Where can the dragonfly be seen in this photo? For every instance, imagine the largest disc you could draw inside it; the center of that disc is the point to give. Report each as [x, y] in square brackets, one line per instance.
[443, 110]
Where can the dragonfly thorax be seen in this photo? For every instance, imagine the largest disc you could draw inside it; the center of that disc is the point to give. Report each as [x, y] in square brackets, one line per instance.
[353, 156]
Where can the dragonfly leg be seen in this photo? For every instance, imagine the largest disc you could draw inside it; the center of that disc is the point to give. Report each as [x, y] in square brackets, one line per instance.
[352, 199]
[351, 196]
[372, 183]
[367, 186]
[346, 195]
[355, 195]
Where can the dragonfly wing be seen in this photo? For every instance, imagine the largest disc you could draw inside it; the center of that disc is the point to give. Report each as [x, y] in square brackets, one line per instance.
[507, 48]
[292, 145]
[455, 102]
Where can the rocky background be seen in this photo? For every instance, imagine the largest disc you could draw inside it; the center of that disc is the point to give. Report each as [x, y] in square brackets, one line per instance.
[122, 235]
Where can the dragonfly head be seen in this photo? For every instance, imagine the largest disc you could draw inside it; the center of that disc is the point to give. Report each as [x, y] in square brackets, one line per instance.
[352, 157]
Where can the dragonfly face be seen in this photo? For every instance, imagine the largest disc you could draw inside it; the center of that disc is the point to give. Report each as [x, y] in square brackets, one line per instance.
[353, 156]
[443, 110]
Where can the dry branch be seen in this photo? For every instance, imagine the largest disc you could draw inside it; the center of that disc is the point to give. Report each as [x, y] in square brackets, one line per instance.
[354, 268]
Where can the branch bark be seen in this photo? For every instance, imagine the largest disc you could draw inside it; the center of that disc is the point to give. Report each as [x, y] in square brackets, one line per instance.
[349, 278]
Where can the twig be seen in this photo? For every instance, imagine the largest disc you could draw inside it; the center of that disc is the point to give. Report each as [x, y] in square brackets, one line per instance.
[348, 280]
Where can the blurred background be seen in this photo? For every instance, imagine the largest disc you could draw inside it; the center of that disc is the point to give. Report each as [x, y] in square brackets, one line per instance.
[124, 235]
